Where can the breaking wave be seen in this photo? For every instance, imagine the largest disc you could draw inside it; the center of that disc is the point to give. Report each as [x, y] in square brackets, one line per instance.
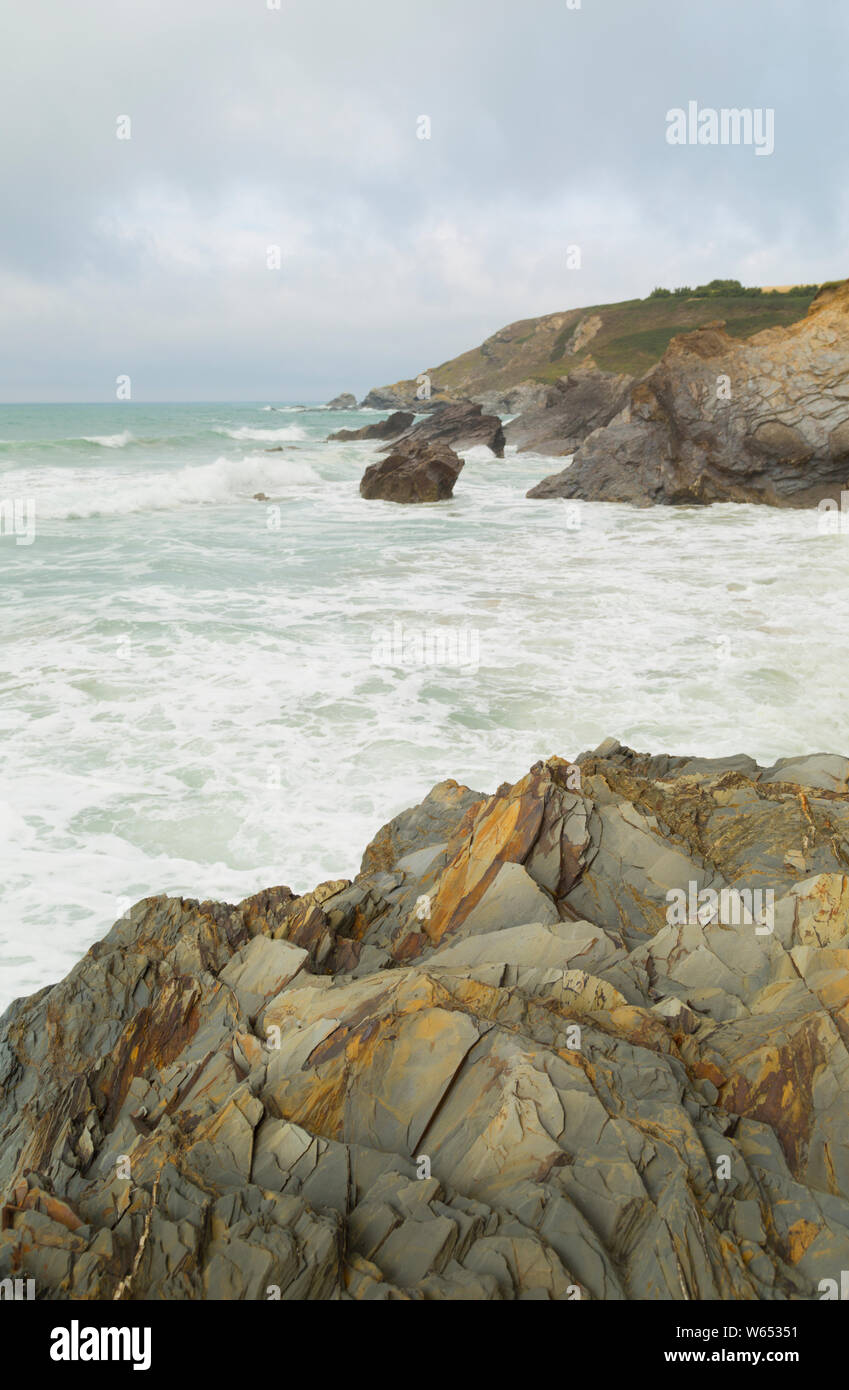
[87, 493]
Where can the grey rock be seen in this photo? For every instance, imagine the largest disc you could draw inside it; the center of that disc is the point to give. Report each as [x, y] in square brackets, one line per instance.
[463, 425]
[721, 419]
[393, 425]
[579, 403]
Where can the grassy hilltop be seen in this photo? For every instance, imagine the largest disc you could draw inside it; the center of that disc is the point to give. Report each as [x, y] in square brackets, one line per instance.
[627, 337]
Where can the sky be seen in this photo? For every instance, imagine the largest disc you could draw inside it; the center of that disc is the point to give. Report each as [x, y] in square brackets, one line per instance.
[254, 127]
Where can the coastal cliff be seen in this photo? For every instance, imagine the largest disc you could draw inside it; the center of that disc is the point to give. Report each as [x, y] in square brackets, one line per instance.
[512, 369]
[718, 420]
[503, 1062]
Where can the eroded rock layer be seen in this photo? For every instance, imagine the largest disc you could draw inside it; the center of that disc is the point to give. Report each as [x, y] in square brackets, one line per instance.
[496, 1065]
[721, 419]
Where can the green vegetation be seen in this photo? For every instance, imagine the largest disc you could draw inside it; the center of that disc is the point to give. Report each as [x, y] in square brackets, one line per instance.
[728, 288]
[634, 335]
[631, 336]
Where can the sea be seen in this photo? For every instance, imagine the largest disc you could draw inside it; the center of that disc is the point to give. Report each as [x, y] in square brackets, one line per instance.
[204, 694]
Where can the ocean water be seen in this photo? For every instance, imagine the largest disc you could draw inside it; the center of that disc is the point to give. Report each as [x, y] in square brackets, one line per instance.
[206, 694]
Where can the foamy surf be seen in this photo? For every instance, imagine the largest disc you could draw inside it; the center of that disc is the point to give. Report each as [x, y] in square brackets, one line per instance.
[88, 493]
[173, 673]
[245, 432]
[110, 441]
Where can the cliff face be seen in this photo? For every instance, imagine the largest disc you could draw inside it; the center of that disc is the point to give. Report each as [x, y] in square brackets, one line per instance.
[628, 337]
[497, 1064]
[765, 420]
[579, 404]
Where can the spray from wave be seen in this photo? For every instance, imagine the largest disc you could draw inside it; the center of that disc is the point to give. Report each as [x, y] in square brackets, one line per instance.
[110, 441]
[246, 432]
[88, 493]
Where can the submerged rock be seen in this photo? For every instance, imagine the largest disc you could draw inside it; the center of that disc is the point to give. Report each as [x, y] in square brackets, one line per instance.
[764, 419]
[415, 471]
[393, 425]
[496, 1065]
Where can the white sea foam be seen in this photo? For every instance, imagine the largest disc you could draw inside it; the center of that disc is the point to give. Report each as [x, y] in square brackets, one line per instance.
[169, 686]
[246, 432]
[110, 441]
[63, 495]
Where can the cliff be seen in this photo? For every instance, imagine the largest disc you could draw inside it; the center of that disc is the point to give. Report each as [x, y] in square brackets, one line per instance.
[624, 338]
[719, 419]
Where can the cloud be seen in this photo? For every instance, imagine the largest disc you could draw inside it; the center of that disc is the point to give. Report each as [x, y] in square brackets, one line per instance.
[296, 128]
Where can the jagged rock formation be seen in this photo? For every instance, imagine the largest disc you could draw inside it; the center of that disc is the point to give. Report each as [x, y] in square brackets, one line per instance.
[488, 1068]
[415, 471]
[393, 425]
[721, 420]
[345, 401]
[577, 404]
[461, 424]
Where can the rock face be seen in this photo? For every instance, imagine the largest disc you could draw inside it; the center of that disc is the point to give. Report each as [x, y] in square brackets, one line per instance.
[415, 471]
[393, 425]
[403, 395]
[723, 420]
[493, 1066]
[626, 337]
[578, 404]
[463, 425]
[344, 402]
[527, 395]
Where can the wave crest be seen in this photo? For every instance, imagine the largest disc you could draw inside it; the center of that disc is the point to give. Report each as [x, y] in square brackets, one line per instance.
[110, 441]
[90, 493]
[248, 432]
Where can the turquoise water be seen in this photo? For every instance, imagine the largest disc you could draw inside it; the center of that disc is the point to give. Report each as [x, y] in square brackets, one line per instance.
[195, 696]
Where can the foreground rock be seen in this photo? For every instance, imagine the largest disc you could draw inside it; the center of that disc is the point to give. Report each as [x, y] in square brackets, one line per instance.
[463, 425]
[577, 404]
[346, 401]
[415, 471]
[488, 1068]
[724, 420]
[393, 425]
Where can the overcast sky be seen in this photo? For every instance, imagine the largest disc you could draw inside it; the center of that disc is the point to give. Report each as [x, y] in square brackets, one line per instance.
[254, 127]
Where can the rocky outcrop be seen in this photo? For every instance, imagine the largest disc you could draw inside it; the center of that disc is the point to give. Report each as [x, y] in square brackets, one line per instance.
[344, 402]
[630, 337]
[403, 395]
[724, 420]
[503, 1062]
[578, 404]
[415, 471]
[528, 395]
[393, 425]
[463, 425]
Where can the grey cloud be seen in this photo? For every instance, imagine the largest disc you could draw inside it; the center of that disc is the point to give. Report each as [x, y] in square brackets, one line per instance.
[254, 127]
